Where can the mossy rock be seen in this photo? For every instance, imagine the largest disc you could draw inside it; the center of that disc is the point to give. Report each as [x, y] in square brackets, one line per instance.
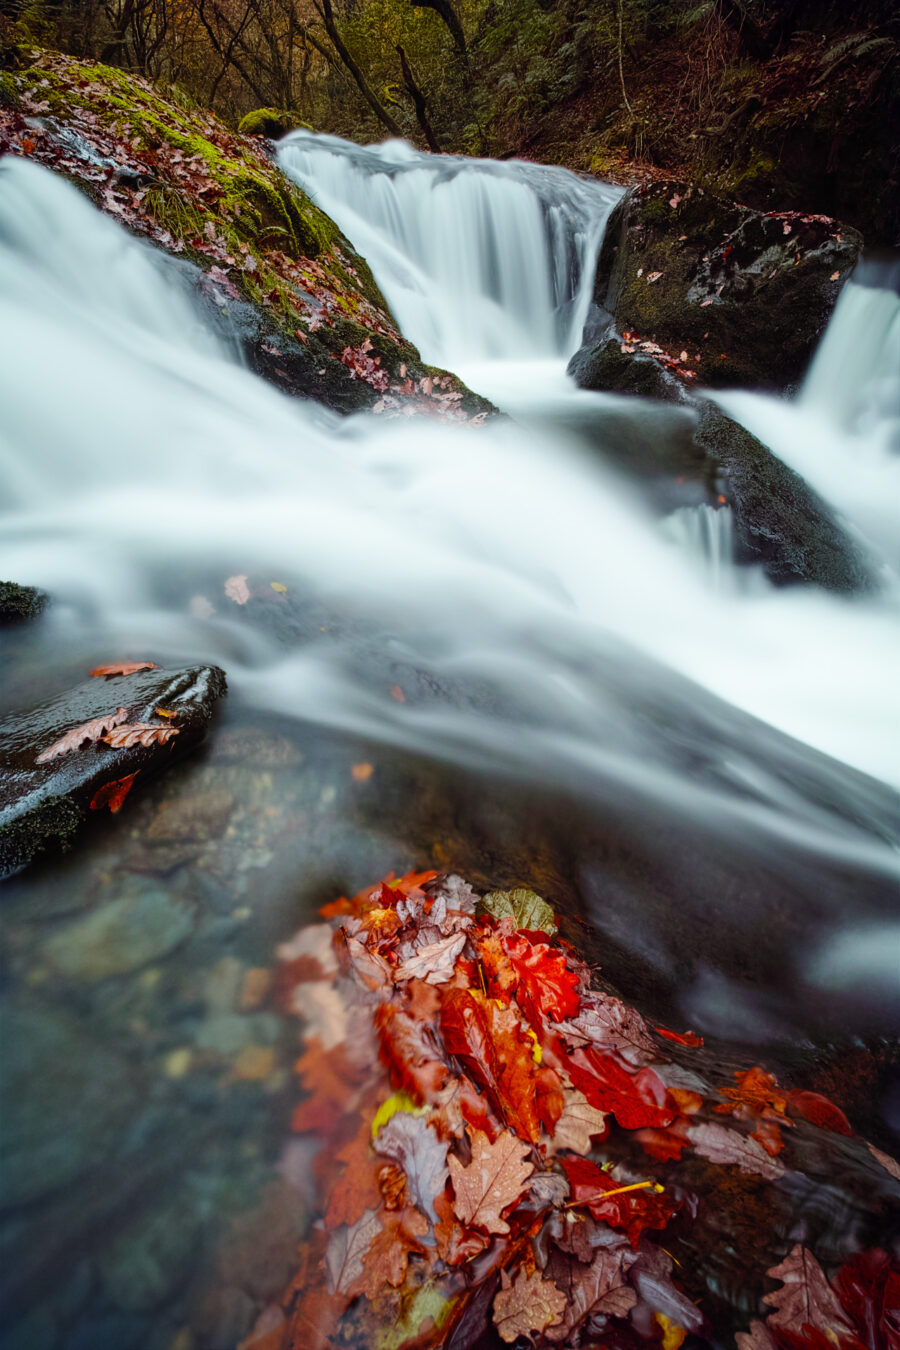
[20, 602]
[746, 293]
[268, 122]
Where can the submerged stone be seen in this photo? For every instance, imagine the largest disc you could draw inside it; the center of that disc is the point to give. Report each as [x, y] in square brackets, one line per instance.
[144, 924]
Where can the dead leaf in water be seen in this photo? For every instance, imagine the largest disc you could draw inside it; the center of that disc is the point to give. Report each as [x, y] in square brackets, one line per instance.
[113, 794]
[78, 736]
[123, 668]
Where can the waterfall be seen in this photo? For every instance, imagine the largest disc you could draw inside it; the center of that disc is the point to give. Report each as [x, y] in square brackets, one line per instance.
[478, 259]
[708, 533]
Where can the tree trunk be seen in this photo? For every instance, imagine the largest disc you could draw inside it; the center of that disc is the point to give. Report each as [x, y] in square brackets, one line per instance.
[450, 17]
[325, 10]
[418, 99]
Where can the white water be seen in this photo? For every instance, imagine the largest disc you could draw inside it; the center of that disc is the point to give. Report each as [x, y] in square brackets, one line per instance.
[142, 468]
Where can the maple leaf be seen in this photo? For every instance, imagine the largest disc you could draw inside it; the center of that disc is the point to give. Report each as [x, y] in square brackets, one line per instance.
[346, 1253]
[727, 1147]
[370, 969]
[492, 1044]
[631, 1208]
[579, 1123]
[527, 1305]
[409, 1141]
[635, 1099]
[123, 668]
[113, 794]
[807, 1302]
[597, 1289]
[525, 965]
[87, 733]
[455, 894]
[492, 1182]
[388, 1254]
[139, 733]
[524, 907]
[433, 963]
[757, 1094]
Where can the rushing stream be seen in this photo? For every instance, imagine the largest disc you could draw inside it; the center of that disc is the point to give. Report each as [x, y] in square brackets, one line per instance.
[667, 729]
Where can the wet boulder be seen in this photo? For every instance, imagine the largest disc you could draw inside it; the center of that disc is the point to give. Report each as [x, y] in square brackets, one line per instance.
[43, 804]
[736, 296]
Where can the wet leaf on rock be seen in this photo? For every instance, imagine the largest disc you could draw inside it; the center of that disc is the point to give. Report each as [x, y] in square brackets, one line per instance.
[527, 1305]
[524, 907]
[492, 1182]
[139, 733]
[86, 734]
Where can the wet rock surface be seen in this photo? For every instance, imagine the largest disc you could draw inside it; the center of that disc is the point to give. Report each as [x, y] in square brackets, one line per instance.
[45, 804]
[736, 296]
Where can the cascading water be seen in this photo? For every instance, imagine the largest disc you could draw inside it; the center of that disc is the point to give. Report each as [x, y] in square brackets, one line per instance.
[480, 260]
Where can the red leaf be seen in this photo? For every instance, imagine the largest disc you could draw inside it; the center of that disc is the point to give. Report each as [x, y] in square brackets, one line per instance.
[679, 1037]
[630, 1210]
[123, 668]
[868, 1286]
[113, 794]
[637, 1100]
[540, 978]
[820, 1111]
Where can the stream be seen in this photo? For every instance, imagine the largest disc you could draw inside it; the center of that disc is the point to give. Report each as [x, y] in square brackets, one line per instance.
[477, 649]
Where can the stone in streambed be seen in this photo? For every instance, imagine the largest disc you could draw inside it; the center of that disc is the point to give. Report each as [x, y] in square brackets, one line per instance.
[140, 926]
[151, 1258]
[51, 1073]
[43, 805]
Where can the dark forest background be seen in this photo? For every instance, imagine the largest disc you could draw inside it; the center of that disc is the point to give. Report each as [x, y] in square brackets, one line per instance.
[787, 103]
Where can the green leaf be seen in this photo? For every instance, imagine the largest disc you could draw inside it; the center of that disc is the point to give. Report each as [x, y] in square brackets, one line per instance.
[428, 1303]
[525, 908]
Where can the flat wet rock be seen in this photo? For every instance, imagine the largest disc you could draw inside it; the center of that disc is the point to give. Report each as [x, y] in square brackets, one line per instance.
[44, 804]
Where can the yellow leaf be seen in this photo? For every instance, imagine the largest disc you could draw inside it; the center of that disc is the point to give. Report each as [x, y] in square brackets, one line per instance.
[673, 1334]
[277, 586]
[401, 1101]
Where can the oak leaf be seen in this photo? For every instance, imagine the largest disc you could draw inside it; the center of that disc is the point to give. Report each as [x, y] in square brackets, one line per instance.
[806, 1301]
[579, 1123]
[123, 668]
[492, 1182]
[113, 794]
[388, 1254]
[409, 1051]
[727, 1147]
[139, 733]
[347, 1251]
[87, 733]
[530, 1304]
[609, 1024]
[433, 963]
[456, 1243]
[598, 1289]
[358, 1188]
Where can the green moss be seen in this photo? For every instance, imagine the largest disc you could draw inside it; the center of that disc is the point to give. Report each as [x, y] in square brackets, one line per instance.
[657, 212]
[265, 122]
[54, 822]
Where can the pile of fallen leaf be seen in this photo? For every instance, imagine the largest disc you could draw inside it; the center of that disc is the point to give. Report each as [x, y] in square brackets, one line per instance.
[493, 1135]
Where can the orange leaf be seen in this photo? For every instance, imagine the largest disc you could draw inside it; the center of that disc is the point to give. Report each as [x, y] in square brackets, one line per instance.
[76, 738]
[123, 668]
[139, 733]
[362, 772]
[113, 794]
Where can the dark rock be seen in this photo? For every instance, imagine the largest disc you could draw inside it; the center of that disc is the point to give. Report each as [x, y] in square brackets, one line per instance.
[45, 804]
[748, 292]
[151, 1258]
[20, 602]
[604, 368]
[50, 1073]
[107, 1331]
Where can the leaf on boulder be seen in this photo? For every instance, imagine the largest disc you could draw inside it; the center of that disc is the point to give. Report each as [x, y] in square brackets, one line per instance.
[524, 907]
[434, 963]
[631, 1207]
[113, 794]
[727, 1147]
[122, 668]
[387, 1257]
[807, 1300]
[537, 975]
[579, 1123]
[492, 1182]
[598, 1289]
[347, 1251]
[86, 734]
[528, 1305]
[609, 1024]
[889, 1164]
[139, 733]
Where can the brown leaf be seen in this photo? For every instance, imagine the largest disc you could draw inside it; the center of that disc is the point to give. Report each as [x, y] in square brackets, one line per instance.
[139, 733]
[456, 1243]
[347, 1251]
[387, 1257]
[236, 589]
[724, 1146]
[358, 1188]
[887, 1162]
[78, 736]
[123, 668]
[807, 1299]
[113, 794]
[578, 1124]
[433, 963]
[759, 1337]
[530, 1304]
[409, 1140]
[597, 1289]
[492, 1182]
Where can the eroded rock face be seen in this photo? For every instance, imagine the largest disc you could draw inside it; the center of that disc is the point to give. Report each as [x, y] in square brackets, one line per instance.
[736, 296]
[43, 805]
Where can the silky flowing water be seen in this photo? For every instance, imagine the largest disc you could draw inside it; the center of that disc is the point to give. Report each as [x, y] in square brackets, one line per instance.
[595, 702]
